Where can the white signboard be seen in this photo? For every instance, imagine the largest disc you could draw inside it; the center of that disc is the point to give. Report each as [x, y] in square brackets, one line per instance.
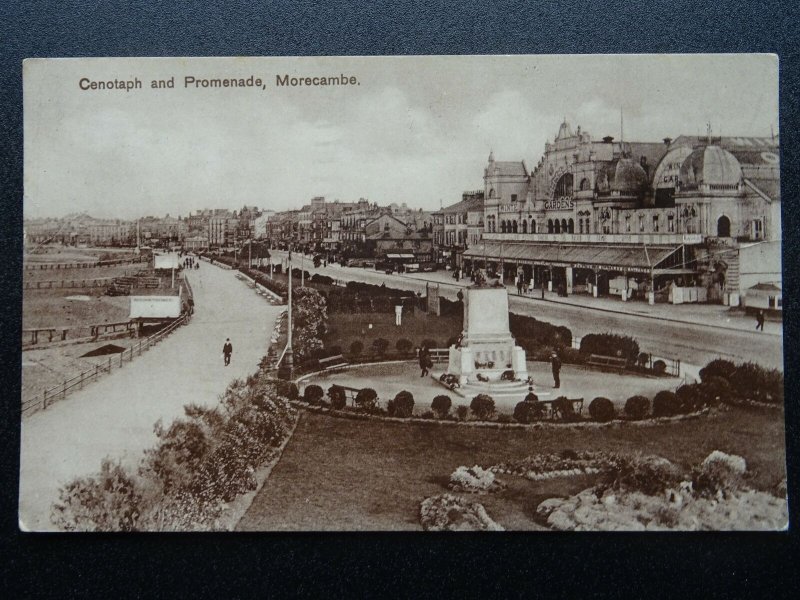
[165, 261]
[155, 307]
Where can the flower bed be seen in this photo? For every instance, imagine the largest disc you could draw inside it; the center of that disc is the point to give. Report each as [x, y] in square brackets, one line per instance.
[651, 493]
[474, 480]
[200, 465]
[447, 512]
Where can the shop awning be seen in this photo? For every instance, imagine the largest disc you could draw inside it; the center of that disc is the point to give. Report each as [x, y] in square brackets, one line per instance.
[398, 256]
[617, 258]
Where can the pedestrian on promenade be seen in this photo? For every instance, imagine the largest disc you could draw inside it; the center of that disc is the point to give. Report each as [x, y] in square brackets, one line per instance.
[425, 361]
[227, 350]
[555, 363]
[520, 285]
[760, 320]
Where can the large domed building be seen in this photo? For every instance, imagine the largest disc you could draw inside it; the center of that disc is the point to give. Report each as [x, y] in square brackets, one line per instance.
[675, 212]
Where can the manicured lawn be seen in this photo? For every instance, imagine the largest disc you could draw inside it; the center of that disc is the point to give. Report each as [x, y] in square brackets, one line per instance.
[339, 474]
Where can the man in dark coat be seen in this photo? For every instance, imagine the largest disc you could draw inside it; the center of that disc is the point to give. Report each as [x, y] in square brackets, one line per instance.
[760, 320]
[227, 350]
[555, 362]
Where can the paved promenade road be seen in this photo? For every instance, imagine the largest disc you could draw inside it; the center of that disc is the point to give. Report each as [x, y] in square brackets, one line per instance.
[115, 416]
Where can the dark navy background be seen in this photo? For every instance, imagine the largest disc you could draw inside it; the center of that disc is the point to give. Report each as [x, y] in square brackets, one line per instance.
[507, 565]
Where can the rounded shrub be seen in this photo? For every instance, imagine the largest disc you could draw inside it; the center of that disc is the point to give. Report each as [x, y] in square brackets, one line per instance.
[659, 367]
[482, 406]
[717, 389]
[666, 404]
[313, 394]
[717, 368]
[452, 340]
[333, 350]
[528, 412]
[691, 397]
[441, 405]
[429, 343]
[402, 406]
[356, 348]
[602, 409]
[637, 407]
[367, 399]
[380, 345]
[404, 346]
[563, 409]
[462, 411]
[338, 397]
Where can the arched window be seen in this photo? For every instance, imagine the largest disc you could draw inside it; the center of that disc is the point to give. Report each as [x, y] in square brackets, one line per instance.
[557, 226]
[571, 226]
[533, 226]
[549, 225]
[514, 226]
[564, 225]
[723, 227]
[491, 193]
[564, 186]
[524, 226]
[584, 184]
[580, 225]
[502, 226]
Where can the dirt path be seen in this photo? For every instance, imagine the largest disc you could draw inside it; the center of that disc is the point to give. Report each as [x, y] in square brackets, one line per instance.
[115, 416]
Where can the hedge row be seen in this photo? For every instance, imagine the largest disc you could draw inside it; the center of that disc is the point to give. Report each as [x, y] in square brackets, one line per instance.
[744, 381]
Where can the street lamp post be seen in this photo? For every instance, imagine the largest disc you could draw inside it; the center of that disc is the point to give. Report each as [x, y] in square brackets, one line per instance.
[286, 368]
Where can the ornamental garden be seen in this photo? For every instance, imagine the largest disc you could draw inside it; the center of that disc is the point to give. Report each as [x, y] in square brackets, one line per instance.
[365, 442]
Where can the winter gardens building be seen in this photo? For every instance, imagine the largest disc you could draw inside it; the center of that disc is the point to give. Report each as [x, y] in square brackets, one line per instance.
[690, 219]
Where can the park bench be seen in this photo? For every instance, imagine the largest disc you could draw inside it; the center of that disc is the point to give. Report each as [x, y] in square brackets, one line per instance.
[332, 362]
[607, 362]
[552, 413]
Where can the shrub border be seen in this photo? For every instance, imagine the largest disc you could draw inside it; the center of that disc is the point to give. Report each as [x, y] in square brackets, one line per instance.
[616, 423]
[346, 414]
[236, 509]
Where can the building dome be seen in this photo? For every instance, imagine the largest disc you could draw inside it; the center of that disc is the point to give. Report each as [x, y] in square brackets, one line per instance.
[710, 165]
[629, 177]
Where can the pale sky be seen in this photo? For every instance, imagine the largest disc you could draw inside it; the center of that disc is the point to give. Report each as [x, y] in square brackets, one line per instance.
[416, 129]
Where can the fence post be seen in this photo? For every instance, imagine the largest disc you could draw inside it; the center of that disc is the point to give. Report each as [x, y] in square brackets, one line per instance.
[81, 382]
[44, 400]
[109, 363]
[64, 390]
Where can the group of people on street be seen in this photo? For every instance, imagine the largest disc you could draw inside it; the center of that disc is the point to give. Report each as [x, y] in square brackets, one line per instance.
[190, 263]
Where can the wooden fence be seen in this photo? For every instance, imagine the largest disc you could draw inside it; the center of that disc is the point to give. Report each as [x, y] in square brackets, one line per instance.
[59, 392]
[83, 265]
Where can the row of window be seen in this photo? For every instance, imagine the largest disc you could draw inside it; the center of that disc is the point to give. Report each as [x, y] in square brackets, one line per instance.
[606, 225]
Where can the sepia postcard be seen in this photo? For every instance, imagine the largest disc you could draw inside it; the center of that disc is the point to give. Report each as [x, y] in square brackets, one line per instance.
[428, 293]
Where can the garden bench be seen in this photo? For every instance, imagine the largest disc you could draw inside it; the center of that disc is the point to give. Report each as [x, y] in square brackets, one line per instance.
[607, 362]
[332, 362]
[577, 407]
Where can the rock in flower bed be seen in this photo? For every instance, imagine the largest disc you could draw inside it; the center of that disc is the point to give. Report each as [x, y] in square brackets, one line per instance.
[447, 512]
[474, 480]
[565, 464]
[649, 494]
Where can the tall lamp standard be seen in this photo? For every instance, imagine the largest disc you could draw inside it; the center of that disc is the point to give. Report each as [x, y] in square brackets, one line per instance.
[286, 368]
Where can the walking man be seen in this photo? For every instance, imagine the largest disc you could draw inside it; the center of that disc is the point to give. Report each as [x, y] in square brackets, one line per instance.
[425, 361]
[555, 362]
[227, 350]
[760, 320]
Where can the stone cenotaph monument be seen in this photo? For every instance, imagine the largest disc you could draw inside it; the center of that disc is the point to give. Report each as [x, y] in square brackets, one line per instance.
[486, 349]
